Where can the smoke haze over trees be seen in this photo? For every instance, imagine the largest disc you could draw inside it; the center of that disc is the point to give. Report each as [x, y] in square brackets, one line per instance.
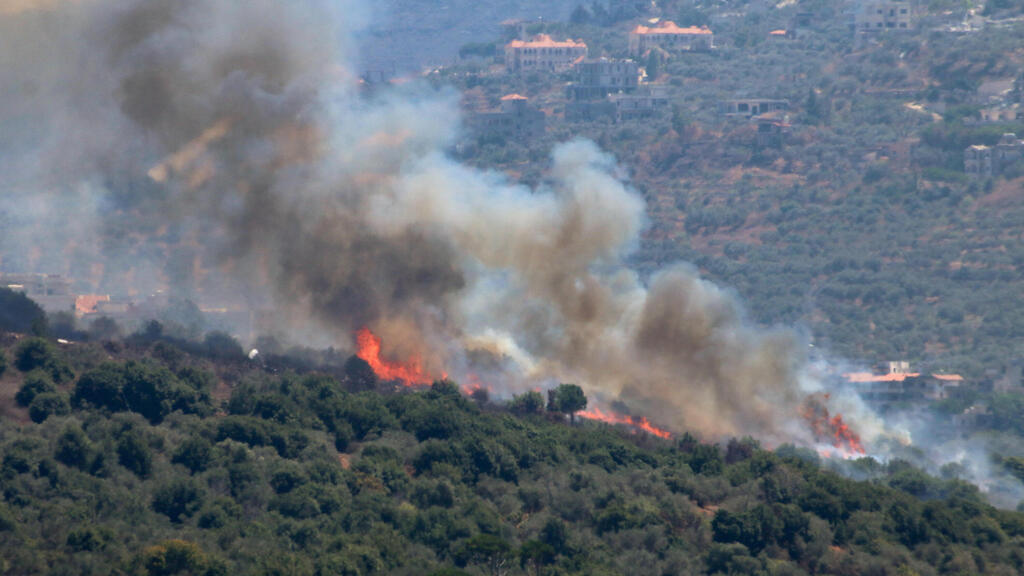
[238, 128]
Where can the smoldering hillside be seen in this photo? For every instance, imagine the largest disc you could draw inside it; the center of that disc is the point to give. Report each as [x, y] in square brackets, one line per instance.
[224, 147]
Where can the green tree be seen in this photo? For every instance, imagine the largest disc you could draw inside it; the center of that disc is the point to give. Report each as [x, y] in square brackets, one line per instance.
[567, 399]
[176, 557]
[491, 551]
[85, 540]
[101, 387]
[177, 499]
[222, 345]
[73, 448]
[134, 454]
[150, 390]
[535, 555]
[359, 375]
[39, 354]
[33, 354]
[48, 404]
[196, 453]
[529, 403]
[19, 313]
[554, 534]
[36, 382]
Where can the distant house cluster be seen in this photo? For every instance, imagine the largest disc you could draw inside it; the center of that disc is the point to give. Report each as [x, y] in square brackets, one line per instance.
[51, 291]
[668, 36]
[982, 161]
[611, 89]
[543, 54]
[55, 294]
[900, 385]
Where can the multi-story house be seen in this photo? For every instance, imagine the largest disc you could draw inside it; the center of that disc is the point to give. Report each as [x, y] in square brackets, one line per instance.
[983, 161]
[873, 16]
[543, 54]
[596, 79]
[669, 37]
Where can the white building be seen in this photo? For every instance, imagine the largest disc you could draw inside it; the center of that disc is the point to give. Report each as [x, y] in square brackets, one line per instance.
[669, 37]
[873, 16]
[543, 54]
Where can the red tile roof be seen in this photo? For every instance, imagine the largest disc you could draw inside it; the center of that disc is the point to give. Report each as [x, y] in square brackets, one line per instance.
[545, 41]
[86, 303]
[869, 377]
[670, 27]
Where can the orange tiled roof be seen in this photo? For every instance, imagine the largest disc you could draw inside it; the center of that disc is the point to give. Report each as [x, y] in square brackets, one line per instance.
[670, 27]
[869, 377]
[86, 303]
[545, 41]
[948, 377]
[514, 97]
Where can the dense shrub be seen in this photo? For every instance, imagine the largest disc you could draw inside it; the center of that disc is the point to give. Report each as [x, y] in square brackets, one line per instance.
[36, 382]
[48, 404]
[178, 499]
[196, 454]
[143, 387]
[40, 354]
[134, 454]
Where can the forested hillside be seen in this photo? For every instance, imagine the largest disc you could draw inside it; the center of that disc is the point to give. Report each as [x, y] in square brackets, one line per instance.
[162, 456]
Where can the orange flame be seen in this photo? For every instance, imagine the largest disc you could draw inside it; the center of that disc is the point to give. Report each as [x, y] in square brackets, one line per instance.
[638, 422]
[830, 429]
[410, 373]
[473, 385]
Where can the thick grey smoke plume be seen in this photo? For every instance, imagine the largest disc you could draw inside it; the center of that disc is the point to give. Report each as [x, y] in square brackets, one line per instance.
[222, 148]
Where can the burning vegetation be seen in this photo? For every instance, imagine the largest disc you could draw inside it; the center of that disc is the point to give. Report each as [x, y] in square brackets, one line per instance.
[825, 427]
[285, 187]
[409, 373]
[830, 429]
[636, 422]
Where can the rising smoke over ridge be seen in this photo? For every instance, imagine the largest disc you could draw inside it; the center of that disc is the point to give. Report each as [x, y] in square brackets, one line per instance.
[224, 147]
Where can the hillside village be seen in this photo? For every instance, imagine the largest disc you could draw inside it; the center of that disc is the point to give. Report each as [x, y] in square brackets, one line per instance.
[725, 138]
[748, 125]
